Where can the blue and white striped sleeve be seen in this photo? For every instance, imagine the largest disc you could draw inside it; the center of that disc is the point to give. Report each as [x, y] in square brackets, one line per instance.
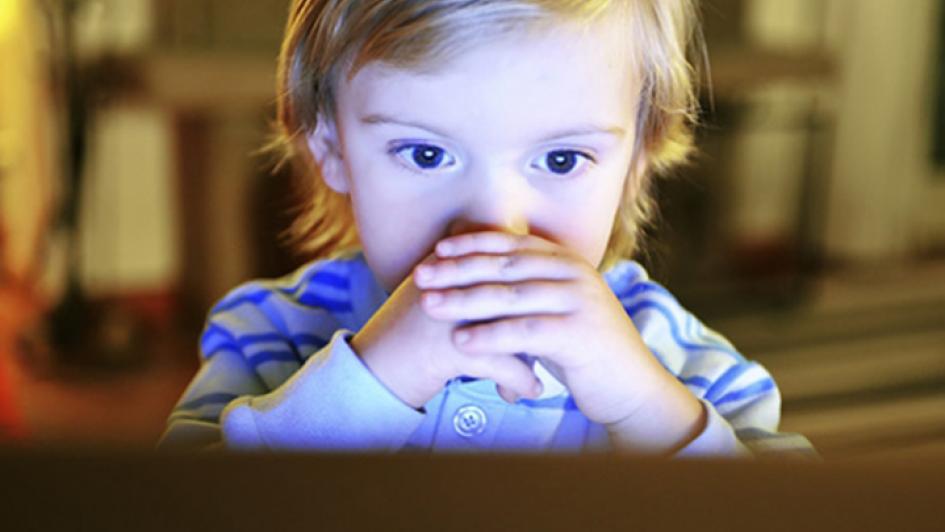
[333, 403]
[741, 399]
[277, 372]
[226, 372]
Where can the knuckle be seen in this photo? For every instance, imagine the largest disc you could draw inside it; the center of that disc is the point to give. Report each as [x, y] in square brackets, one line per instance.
[514, 292]
[464, 359]
[530, 326]
[492, 331]
[481, 334]
[507, 263]
[455, 297]
[482, 337]
[470, 364]
[455, 268]
[584, 294]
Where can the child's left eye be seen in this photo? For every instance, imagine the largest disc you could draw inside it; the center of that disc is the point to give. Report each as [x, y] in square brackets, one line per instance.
[422, 156]
[562, 162]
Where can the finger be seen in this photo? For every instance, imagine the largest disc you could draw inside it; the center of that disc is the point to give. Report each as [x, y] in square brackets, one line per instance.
[536, 334]
[478, 268]
[489, 301]
[491, 242]
[508, 395]
[509, 372]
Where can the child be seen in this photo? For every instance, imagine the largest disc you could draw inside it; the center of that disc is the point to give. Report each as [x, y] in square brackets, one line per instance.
[494, 158]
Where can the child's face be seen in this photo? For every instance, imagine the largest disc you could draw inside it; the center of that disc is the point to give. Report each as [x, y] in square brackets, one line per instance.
[478, 146]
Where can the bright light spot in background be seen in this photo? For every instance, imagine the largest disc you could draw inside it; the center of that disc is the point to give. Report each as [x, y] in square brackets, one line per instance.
[8, 16]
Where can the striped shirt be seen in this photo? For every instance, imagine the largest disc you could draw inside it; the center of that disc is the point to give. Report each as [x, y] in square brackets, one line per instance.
[277, 371]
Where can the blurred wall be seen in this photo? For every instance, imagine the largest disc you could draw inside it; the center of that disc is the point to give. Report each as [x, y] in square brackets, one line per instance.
[129, 215]
[882, 199]
[885, 201]
[771, 143]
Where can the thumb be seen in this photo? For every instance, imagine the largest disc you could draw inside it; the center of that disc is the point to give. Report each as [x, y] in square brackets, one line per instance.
[513, 377]
[508, 395]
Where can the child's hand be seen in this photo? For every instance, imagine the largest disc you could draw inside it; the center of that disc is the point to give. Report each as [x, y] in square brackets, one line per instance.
[414, 355]
[531, 295]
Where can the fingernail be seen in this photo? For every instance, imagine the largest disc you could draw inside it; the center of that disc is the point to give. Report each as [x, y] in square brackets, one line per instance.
[445, 248]
[424, 273]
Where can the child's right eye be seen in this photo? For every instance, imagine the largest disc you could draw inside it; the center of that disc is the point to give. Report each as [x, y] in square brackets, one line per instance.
[422, 156]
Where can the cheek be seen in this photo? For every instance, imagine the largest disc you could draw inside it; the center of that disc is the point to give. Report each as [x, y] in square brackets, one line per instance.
[398, 219]
[593, 231]
[585, 221]
[397, 230]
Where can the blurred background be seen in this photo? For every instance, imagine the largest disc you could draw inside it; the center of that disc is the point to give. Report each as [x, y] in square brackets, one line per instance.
[811, 232]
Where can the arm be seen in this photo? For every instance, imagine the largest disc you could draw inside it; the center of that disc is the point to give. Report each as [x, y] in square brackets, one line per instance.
[741, 401]
[332, 403]
[256, 388]
[743, 407]
[194, 424]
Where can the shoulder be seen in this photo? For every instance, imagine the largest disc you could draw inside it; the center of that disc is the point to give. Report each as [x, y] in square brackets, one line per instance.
[672, 332]
[632, 285]
[311, 285]
[703, 360]
[312, 300]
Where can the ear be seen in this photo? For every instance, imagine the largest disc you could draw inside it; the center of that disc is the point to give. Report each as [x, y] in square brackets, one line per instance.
[326, 150]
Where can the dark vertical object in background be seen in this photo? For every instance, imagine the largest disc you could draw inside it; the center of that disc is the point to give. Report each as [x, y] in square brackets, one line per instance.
[712, 266]
[69, 320]
[273, 205]
[683, 247]
[79, 330]
[815, 182]
[938, 122]
[192, 144]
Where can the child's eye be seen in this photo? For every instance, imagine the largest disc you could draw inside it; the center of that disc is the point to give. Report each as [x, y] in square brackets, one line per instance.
[422, 156]
[562, 162]
[426, 157]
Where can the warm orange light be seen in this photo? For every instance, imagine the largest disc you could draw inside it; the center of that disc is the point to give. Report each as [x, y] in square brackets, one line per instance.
[9, 13]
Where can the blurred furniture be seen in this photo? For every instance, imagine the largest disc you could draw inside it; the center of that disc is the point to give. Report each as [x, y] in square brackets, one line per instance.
[741, 229]
[702, 249]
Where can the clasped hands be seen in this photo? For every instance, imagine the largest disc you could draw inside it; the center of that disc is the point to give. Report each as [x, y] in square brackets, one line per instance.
[496, 294]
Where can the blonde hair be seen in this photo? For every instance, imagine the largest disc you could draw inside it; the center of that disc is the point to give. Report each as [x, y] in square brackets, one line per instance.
[325, 39]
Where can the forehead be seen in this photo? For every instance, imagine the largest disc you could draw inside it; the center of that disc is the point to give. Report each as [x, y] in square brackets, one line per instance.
[518, 85]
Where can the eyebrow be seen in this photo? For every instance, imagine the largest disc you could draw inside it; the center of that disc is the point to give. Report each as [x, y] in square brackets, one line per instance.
[377, 118]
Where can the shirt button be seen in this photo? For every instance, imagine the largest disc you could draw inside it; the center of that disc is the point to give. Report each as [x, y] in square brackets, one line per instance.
[469, 421]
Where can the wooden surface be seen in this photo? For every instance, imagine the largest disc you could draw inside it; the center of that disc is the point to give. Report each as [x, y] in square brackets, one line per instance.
[70, 491]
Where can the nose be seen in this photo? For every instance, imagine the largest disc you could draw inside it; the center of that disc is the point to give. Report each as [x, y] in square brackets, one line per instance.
[499, 203]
